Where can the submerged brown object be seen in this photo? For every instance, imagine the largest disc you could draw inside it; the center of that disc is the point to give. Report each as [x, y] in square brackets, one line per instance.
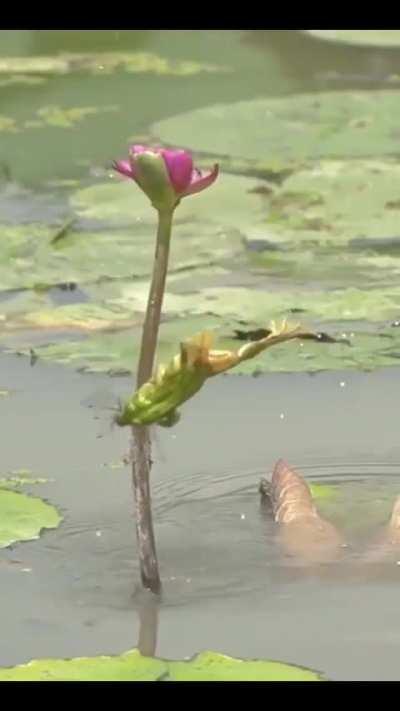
[302, 531]
[393, 528]
[387, 542]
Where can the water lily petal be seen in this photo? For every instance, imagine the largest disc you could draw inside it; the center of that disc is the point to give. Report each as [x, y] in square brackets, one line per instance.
[200, 181]
[125, 168]
[180, 168]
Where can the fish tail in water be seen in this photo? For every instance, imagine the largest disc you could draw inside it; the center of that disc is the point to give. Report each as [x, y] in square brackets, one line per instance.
[302, 532]
[386, 544]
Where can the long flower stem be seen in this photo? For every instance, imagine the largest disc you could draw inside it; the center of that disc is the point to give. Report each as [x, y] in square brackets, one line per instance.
[141, 441]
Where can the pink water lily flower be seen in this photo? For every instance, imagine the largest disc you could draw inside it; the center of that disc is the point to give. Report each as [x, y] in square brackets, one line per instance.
[165, 175]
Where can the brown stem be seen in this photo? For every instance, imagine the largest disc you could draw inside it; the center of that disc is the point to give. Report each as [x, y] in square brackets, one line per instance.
[141, 441]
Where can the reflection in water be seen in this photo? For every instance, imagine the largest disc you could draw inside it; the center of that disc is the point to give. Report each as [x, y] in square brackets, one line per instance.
[148, 611]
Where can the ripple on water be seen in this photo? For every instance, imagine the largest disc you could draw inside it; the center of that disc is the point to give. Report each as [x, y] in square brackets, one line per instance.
[216, 540]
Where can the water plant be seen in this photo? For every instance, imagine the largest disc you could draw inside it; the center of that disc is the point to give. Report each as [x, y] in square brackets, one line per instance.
[166, 177]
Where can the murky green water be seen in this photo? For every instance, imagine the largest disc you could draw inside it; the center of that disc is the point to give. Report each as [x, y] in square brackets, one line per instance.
[303, 223]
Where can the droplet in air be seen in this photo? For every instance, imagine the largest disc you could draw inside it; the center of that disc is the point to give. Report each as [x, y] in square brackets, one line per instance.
[282, 416]
[242, 516]
[342, 384]
[98, 534]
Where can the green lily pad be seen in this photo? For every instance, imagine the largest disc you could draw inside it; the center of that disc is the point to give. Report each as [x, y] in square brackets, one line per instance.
[363, 38]
[55, 116]
[291, 129]
[337, 203]
[22, 517]
[22, 80]
[8, 124]
[105, 63]
[361, 506]
[76, 317]
[130, 666]
[322, 491]
[338, 305]
[327, 266]
[211, 666]
[20, 477]
[231, 202]
[116, 352]
[29, 258]
[66, 117]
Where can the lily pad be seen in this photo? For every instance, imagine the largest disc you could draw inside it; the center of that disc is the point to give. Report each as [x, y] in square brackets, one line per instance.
[29, 257]
[8, 124]
[363, 38]
[322, 491]
[291, 129]
[232, 202]
[130, 666]
[117, 352]
[327, 266]
[339, 202]
[21, 481]
[255, 305]
[68, 117]
[105, 63]
[20, 477]
[22, 517]
[22, 80]
[360, 506]
[211, 666]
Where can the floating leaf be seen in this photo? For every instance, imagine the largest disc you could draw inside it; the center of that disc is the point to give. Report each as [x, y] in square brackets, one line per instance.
[22, 80]
[22, 517]
[130, 666]
[363, 38]
[68, 117]
[339, 202]
[291, 129]
[322, 491]
[233, 202]
[29, 258]
[85, 317]
[211, 666]
[20, 477]
[21, 481]
[114, 352]
[104, 63]
[8, 124]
